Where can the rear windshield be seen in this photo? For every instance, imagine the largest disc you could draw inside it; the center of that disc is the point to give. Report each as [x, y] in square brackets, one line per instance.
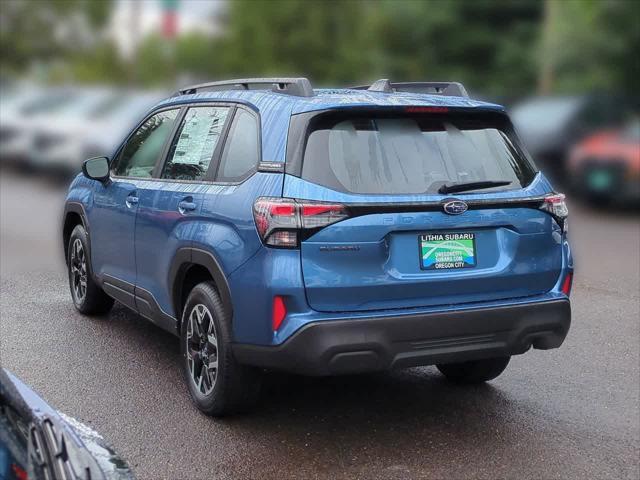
[412, 153]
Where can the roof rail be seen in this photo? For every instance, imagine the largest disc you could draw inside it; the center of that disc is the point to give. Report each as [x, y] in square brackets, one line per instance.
[299, 87]
[454, 89]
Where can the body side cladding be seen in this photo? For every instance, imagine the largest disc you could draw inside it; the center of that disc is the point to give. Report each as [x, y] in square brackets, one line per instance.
[185, 258]
[138, 300]
[77, 208]
[149, 308]
[122, 291]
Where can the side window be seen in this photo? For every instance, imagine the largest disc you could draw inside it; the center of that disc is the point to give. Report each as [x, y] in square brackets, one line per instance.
[139, 155]
[240, 154]
[192, 150]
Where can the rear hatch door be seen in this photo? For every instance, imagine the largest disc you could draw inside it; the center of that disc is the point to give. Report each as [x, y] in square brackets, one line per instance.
[400, 248]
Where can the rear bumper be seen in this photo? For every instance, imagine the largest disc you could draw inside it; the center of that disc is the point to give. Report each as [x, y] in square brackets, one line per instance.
[352, 346]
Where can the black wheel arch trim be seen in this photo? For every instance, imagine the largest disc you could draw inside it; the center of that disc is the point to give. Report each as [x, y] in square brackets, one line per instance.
[77, 208]
[186, 257]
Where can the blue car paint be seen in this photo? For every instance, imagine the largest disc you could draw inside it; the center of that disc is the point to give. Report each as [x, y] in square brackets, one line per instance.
[223, 225]
[160, 230]
[113, 228]
[517, 256]
[226, 225]
[279, 272]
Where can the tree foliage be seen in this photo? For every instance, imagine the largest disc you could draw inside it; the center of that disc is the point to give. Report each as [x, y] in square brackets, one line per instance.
[46, 31]
[493, 46]
[593, 44]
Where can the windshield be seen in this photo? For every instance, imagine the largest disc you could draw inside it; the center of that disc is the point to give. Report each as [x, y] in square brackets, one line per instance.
[412, 154]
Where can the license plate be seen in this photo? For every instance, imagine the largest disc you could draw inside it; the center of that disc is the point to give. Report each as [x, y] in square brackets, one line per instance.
[600, 180]
[445, 251]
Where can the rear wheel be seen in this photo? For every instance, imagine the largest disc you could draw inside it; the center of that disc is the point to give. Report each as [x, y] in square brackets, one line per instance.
[87, 296]
[474, 371]
[218, 384]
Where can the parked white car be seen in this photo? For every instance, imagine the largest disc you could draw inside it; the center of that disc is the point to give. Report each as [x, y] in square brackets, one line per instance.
[92, 128]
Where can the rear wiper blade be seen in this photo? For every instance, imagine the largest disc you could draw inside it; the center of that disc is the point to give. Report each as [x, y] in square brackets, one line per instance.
[466, 186]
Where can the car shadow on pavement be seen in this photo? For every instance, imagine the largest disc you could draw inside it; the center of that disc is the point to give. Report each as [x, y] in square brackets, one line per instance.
[357, 421]
[396, 396]
[399, 395]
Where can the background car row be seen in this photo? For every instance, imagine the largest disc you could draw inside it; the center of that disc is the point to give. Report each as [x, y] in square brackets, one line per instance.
[53, 129]
[588, 144]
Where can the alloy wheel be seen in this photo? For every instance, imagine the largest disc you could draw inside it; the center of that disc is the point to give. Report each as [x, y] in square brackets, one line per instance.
[202, 349]
[78, 265]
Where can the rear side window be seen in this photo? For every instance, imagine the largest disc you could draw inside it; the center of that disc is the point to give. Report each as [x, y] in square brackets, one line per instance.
[240, 155]
[193, 147]
[411, 153]
[140, 154]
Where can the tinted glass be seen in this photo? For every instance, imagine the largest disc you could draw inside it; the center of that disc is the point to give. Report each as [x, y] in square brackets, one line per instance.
[241, 151]
[142, 150]
[192, 149]
[412, 154]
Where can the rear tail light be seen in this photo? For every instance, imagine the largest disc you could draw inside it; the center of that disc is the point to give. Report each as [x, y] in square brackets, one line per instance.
[555, 204]
[283, 222]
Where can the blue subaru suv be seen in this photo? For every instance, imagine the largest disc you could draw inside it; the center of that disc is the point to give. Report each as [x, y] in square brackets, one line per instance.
[270, 225]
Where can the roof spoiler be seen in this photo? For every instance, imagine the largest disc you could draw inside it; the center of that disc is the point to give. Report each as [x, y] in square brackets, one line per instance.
[454, 89]
[299, 87]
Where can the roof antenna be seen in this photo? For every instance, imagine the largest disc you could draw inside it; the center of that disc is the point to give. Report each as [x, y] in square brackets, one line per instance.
[382, 85]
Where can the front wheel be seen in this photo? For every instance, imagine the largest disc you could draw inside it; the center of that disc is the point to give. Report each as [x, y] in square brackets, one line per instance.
[87, 296]
[218, 384]
[474, 371]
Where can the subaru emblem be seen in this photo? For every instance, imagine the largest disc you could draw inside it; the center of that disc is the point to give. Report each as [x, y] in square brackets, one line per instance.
[455, 207]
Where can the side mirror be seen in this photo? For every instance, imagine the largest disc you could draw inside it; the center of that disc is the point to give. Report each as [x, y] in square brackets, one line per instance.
[96, 169]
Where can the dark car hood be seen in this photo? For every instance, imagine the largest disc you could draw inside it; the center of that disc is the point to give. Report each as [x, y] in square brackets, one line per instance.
[84, 451]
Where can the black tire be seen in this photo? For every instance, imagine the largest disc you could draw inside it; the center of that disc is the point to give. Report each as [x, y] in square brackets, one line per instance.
[94, 301]
[475, 371]
[229, 387]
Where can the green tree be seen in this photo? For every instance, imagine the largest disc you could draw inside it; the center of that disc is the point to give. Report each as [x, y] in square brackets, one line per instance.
[480, 42]
[198, 56]
[485, 44]
[325, 40]
[31, 30]
[590, 45]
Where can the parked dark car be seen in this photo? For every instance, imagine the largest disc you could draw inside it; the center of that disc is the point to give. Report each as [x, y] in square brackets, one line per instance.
[551, 126]
[606, 166]
[39, 443]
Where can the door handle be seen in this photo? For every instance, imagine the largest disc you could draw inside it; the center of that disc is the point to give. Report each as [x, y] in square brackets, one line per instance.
[131, 201]
[186, 206]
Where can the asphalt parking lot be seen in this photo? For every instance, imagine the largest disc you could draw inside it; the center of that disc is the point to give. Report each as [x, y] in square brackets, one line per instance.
[567, 413]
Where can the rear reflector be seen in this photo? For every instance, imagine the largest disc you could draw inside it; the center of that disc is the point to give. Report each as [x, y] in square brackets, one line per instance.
[279, 312]
[566, 284]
